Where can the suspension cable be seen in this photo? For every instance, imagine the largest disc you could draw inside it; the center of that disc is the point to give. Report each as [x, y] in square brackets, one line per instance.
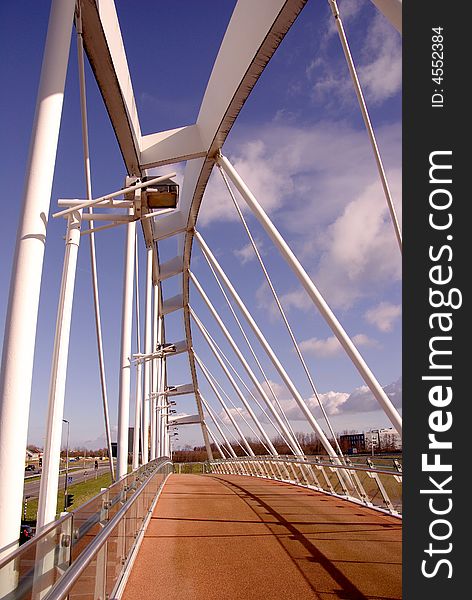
[93, 262]
[230, 448]
[215, 441]
[216, 417]
[280, 307]
[266, 379]
[217, 383]
[222, 402]
[367, 121]
[277, 430]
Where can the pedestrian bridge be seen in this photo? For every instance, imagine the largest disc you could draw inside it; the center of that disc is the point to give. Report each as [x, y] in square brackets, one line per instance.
[251, 526]
[247, 529]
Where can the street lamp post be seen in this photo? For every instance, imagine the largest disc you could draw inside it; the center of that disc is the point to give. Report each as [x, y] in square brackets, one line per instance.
[377, 431]
[66, 479]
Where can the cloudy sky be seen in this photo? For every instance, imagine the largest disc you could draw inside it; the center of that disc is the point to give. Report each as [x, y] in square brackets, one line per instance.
[300, 145]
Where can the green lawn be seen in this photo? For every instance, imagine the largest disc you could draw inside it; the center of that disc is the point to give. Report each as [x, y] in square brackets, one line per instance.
[186, 468]
[82, 492]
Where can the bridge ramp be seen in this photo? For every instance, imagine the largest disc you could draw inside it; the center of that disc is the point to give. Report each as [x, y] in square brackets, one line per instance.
[233, 537]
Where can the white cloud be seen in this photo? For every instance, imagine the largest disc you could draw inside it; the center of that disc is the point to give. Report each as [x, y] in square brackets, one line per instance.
[362, 399]
[246, 253]
[360, 253]
[383, 315]
[325, 348]
[332, 402]
[236, 413]
[378, 63]
[320, 185]
[336, 403]
[381, 73]
[268, 185]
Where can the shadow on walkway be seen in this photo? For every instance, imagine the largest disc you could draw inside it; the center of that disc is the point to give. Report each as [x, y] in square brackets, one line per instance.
[231, 537]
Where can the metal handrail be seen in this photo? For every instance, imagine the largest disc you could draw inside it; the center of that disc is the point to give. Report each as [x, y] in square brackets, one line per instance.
[255, 466]
[37, 538]
[302, 461]
[80, 522]
[64, 585]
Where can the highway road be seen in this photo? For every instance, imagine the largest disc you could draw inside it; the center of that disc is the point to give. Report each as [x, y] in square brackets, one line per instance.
[31, 489]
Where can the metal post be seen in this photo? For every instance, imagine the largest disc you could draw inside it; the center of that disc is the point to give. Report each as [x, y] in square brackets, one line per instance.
[66, 475]
[139, 369]
[57, 386]
[137, 415]
[153, 367]
[22, 313]
[159, 387]
[93, 260]
[125, 355]
[147, 350]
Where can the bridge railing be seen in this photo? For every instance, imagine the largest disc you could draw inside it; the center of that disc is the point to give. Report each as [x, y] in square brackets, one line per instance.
[86, 552]
[375, 486]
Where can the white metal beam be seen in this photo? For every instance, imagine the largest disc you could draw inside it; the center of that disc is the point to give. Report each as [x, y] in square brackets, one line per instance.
[57, 386]
[125, 352]
[172, 304]
[147, 350]
[392, 10]
[174, 145]
[105, 50]
[22, 312]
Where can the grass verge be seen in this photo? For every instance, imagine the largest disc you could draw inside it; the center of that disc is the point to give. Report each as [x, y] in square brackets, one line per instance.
[82, 492]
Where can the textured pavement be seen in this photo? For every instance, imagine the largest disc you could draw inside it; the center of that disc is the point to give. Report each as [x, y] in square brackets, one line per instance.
[229, 537]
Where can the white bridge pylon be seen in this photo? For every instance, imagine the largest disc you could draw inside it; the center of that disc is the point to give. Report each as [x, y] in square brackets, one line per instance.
[236, 70]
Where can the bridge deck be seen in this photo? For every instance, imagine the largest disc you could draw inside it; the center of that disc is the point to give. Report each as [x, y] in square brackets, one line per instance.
[230, 537]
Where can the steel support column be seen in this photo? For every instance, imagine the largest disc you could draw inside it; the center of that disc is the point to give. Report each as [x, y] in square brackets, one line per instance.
[125, 355]
[57, 385]
[147, 351]
[22, 312]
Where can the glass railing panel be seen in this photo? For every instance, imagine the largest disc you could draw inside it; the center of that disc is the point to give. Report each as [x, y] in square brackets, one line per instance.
[371, 488]
[89, 520]
[34, 568]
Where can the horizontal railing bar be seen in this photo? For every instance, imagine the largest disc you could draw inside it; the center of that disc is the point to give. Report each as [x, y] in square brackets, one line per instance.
[44, 532]
[308, 462]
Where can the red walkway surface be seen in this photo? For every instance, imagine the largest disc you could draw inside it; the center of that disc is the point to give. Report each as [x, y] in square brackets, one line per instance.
[229, 537]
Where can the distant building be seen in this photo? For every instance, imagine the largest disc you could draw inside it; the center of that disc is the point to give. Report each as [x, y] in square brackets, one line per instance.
[352, 443]
[381, 440]
[30, 455]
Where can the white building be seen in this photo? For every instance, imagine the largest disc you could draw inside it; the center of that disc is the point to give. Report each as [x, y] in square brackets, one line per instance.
[383, 439]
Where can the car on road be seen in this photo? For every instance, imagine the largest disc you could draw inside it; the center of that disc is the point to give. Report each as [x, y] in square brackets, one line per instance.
[26, 533]
[30, 468]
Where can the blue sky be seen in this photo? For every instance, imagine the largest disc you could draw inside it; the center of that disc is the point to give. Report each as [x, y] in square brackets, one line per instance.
[301, 146]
